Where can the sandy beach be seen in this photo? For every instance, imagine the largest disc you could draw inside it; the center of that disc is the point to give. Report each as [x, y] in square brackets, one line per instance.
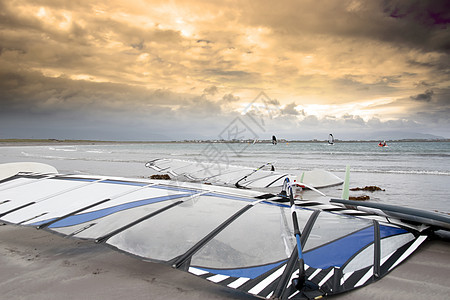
[42, 265]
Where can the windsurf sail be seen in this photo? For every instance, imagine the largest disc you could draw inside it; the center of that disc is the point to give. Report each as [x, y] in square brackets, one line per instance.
[272, 168]
[264, 176]
[330, 139]
[217, 173]
[274, 140]
[225, 235]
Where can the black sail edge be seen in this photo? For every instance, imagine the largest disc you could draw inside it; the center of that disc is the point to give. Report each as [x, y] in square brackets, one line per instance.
[376, 249]
[107, 236]
[292, 262]
[183, 261]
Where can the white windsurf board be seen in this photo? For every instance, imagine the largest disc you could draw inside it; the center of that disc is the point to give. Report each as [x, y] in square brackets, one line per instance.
[11, 169]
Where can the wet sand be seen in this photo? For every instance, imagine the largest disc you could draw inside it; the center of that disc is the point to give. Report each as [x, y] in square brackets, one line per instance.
[424, 275]
[38, 264]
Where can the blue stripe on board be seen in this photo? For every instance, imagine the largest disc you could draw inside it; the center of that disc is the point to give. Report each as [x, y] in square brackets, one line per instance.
[338, 252]
[282, 205]
[89, 216]
[43, 222]
[251, 273]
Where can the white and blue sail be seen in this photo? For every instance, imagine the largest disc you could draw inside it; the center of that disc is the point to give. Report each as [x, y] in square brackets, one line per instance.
[227, 236]
[264, 176]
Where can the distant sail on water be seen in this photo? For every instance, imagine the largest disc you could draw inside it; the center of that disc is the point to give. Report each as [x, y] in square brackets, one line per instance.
[330, 139]
[274, 140]
[382, 144]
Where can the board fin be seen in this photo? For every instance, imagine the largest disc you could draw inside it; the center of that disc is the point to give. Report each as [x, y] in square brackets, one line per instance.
[345, 188]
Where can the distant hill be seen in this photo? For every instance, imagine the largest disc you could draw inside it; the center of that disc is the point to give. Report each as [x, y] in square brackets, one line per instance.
[400, 135]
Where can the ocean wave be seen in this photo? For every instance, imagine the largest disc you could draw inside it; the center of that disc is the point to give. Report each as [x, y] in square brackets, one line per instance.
[51, 157]
[97, 151]
[65, 149]
[406, 172]
[364, 154]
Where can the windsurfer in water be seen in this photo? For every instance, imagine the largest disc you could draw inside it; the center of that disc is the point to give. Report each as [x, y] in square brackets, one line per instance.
[330, 139]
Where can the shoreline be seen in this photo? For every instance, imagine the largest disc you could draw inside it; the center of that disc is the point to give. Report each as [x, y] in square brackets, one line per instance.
[48, 142]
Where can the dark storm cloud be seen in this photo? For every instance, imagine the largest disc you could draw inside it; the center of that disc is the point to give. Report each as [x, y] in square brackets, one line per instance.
[429, 13]
[426, 97]
[230, 98]
[82, 109]
[290, 110]
[211, 90]
[25, 92]
[422, 24]
[436, 109]
[423, 83]
[233, 76]
[199, 106]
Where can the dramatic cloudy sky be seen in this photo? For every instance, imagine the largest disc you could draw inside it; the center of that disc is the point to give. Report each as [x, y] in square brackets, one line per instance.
[144, 70]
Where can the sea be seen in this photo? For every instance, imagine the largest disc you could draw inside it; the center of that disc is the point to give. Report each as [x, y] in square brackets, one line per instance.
[410, 174]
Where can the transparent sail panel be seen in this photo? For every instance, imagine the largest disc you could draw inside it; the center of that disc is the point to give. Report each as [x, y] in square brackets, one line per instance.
[109, 216]
[329, 227]
[391, 244]
[388, 245]
[364, 259]
[176, 230]
[264, 234]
